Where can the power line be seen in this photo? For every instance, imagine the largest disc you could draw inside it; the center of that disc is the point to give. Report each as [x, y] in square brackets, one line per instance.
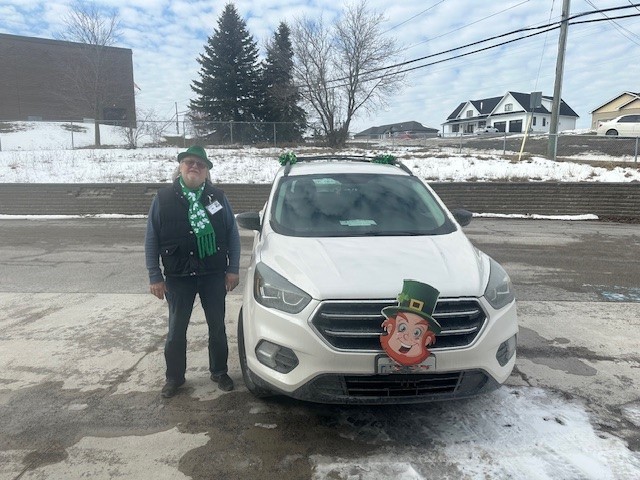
[510, 41]
[416, 15]
[467, 25]
[620, 28]
[544, 47]
[553, 26]
[550, 28]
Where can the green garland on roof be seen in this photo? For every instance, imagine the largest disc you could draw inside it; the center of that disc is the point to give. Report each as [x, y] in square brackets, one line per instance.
[386, 159]
[288, 157]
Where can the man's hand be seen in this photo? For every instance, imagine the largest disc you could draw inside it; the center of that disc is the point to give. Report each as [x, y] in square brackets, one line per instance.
[158, 289]
[231, 281]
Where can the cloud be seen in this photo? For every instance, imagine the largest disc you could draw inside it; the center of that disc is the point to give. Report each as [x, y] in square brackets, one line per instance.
[167, 36]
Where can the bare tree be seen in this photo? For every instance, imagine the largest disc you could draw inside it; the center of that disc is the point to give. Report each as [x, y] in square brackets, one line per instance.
[340, 67]
[88, 81]
[148, 127]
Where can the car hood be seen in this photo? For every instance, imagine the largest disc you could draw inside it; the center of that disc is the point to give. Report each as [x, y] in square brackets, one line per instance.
[375, 267]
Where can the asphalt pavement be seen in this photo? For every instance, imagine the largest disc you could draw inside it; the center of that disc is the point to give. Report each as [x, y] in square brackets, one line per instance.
[81, 366]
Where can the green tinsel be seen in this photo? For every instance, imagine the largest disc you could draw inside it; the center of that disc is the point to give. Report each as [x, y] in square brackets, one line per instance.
[386, 159]
[288, 157]
[403, 297]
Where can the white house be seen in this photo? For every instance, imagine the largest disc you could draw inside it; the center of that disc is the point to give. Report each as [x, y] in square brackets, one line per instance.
[509, 113]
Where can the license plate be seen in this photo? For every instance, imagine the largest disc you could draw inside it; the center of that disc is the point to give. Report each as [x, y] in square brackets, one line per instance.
[385, 365]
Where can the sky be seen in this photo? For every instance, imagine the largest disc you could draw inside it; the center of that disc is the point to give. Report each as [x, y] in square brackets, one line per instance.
[166, 37]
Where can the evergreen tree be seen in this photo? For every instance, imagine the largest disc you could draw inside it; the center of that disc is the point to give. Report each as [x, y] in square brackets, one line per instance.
[228, 86]
[280, 95]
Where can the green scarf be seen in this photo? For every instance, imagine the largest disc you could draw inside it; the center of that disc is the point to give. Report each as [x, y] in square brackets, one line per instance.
[199, 221]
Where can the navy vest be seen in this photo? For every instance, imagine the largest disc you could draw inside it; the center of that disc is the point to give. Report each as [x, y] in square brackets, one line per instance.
[178, 244]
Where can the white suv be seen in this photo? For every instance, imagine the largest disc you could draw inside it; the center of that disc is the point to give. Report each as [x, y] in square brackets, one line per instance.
[333, 245]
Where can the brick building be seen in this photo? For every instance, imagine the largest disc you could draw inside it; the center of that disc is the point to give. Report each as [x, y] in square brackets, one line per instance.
[42, 79]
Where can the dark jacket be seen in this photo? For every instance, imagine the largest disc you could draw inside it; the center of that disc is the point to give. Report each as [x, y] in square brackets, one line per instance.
[169, 234]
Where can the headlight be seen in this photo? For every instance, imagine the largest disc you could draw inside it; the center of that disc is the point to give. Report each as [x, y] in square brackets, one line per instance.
[274, 291]
[499, 291]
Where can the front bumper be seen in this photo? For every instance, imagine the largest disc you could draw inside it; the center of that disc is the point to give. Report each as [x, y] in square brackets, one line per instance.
[328, 375]
[391, 389]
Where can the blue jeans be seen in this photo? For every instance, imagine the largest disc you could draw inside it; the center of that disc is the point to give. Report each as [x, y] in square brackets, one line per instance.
[181, 294]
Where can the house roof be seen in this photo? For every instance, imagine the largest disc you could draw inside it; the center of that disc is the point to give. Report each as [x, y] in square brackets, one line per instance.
[410, 126]
[633, 94]
[524, 100]
[457, 111]
[486, 106]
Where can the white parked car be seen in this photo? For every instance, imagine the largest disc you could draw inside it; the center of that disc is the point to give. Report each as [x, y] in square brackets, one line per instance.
[624, 126]
[487, 129]
[336, 242]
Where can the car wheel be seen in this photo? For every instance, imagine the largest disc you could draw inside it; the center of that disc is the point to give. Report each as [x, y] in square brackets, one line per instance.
[612, 132]
[255, 389]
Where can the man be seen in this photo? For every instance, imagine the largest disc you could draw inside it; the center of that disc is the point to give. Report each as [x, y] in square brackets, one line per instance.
[192, 228]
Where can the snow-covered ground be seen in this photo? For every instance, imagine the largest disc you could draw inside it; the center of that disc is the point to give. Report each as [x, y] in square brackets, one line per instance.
[40, 152]
[516, 432]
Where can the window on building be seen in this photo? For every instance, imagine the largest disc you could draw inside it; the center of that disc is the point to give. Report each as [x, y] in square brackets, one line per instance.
[455, 128]
[508, 107]
[534, 121]
[470, 114]
[544, 121]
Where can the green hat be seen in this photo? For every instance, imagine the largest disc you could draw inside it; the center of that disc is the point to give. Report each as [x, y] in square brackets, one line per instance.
[419, 298]
[195, 151]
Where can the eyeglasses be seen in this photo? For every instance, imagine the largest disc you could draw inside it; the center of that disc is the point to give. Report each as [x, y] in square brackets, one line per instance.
[194, 163]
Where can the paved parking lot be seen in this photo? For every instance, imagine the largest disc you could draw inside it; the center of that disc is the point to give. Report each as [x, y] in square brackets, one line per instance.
[81, 368]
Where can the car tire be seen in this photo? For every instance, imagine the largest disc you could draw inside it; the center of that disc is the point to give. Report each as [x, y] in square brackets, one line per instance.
[612, 132]
[256, 390]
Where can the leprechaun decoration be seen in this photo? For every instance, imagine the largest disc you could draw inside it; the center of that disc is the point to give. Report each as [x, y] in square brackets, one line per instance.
[409, 327]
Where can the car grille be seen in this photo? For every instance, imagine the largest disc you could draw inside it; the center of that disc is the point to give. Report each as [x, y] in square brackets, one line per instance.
[395, 388]
[401, 385]
[354, 325]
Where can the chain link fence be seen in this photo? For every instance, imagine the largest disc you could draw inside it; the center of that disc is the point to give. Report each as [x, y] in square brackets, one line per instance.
[49, 135]
[569, 146]
[52, 135]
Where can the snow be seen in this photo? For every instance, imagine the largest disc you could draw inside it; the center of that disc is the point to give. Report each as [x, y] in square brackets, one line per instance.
[515, 432]
[40, 152]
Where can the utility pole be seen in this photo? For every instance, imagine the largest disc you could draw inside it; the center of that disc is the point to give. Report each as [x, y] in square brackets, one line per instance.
[557, 89]
[177, 124]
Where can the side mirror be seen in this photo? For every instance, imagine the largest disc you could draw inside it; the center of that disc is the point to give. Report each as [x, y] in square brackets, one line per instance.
[249, 220]
[462, 216]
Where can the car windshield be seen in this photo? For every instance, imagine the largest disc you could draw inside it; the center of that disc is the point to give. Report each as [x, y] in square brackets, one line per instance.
[345, 205]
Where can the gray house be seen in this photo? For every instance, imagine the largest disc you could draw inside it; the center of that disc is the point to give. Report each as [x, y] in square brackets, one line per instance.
[397, 130]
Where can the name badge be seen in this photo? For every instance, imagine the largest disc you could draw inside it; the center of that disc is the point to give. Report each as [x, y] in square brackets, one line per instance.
[214, 207]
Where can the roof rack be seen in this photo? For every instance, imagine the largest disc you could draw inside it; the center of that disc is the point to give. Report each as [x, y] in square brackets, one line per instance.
[289, 159]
